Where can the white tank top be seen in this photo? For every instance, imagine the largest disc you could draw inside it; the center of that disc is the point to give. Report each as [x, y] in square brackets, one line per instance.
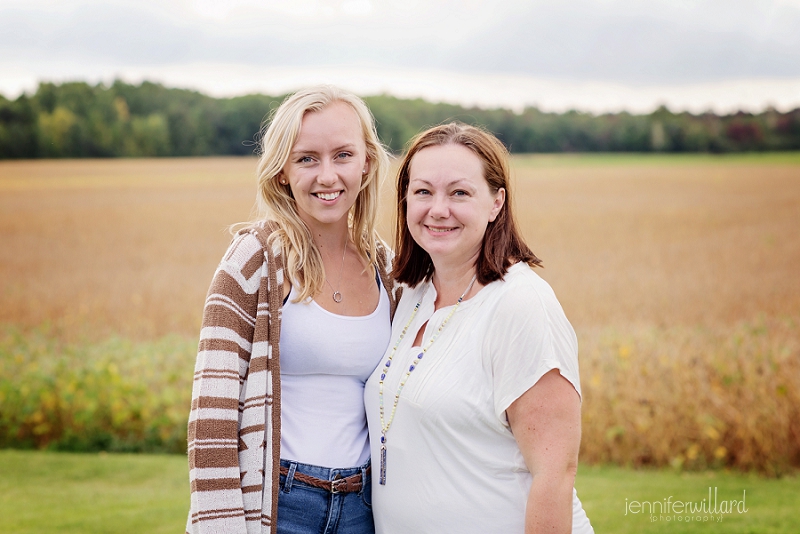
[325, 361]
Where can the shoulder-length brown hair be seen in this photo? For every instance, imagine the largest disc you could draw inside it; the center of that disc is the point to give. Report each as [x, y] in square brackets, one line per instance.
[502, 245]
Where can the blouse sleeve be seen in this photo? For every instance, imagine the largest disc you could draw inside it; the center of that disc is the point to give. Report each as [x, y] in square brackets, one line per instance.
[528, 336]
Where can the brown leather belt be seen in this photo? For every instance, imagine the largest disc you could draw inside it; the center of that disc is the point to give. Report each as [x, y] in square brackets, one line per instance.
[349, 484]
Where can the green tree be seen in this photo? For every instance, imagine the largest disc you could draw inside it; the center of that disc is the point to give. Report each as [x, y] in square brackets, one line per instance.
[76, 119]
[18, 134]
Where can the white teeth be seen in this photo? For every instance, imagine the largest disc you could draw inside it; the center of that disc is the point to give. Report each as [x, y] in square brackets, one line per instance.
[328, 196]
[439, 229]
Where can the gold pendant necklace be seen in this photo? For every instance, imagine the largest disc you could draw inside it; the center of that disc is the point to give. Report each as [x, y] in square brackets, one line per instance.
[385, 425]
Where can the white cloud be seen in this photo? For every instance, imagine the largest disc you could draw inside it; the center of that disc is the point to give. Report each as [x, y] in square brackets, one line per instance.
[525, 46]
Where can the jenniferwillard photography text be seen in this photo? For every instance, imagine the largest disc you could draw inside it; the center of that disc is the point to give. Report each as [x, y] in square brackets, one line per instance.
[710, 509]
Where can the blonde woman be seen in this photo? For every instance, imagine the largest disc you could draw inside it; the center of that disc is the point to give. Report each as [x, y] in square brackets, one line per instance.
[296, 319]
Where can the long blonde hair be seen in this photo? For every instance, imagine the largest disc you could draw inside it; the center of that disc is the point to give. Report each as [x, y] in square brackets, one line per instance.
[302, 259]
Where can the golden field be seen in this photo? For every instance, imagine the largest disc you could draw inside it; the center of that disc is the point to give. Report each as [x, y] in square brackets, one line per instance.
[678, 273]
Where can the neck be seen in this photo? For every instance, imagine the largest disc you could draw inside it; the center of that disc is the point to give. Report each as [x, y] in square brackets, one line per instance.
[330, 238]
[451, 281]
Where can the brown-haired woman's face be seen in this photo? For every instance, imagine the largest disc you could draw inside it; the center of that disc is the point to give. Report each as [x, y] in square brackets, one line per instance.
[449, 204]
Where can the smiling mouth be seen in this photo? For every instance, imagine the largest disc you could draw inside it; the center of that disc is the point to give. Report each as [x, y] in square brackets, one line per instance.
[439, 229]
[328, 196]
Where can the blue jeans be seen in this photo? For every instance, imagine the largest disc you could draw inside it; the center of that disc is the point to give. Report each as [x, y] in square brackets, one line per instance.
[304, 509]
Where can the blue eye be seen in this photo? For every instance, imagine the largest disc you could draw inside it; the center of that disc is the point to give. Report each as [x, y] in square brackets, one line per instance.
[460, 193]
[344, 155]
[304, 159]
[422, 192]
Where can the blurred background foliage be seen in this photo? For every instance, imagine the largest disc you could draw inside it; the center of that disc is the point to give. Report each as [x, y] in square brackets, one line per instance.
[111, 396]
[76, 119]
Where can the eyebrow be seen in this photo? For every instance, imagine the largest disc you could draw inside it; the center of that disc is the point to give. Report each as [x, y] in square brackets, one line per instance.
[346, 146]
[449, 184]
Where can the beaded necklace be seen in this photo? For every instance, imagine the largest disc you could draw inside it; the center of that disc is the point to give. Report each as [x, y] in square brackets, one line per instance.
[384, 425]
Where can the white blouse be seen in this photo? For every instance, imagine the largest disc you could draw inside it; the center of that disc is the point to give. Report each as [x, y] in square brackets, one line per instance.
[452, 464]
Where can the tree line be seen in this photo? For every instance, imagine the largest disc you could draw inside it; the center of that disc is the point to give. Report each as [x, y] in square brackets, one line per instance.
[76, 119]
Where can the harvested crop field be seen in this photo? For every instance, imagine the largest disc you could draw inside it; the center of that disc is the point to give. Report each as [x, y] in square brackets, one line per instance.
[129, 246]
[678, 273]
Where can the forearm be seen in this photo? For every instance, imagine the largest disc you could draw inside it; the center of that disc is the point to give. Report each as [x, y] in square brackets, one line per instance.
[549, 507]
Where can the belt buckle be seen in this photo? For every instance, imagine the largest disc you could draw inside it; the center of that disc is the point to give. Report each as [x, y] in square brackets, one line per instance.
[336, 483]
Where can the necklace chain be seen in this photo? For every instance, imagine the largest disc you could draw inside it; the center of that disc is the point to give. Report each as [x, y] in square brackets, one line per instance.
[337, 296]
[385, 425]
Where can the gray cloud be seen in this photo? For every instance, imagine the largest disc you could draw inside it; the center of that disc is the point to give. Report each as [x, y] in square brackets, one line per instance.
[613, 40]
[591, 41]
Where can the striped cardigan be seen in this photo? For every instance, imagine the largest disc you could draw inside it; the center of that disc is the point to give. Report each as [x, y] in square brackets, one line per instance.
[235, 419]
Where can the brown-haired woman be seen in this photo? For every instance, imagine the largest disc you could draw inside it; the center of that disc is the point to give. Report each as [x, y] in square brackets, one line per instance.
[475, 414]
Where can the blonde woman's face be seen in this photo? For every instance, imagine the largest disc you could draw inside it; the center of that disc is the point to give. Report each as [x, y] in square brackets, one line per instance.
[327, 165]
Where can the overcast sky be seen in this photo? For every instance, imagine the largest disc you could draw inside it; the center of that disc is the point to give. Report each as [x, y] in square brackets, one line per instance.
[596, 55]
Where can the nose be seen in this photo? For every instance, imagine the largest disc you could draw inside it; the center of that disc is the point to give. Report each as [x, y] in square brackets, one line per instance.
[440, 207]
[327, 174]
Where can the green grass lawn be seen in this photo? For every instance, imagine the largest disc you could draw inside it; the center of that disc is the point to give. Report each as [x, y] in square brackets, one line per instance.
[44, 492]
[773, 505]
[118, 493]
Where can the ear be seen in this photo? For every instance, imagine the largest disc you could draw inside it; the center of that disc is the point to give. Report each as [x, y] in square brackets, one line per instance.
[366, 167]
[499, 202]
